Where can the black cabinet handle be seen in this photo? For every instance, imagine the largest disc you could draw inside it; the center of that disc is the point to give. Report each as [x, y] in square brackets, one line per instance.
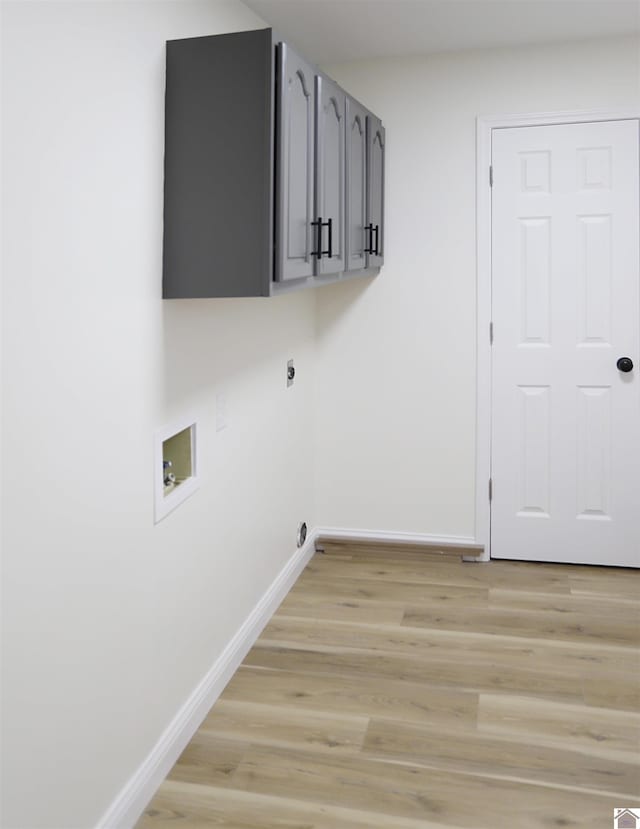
[369, 229]
[377, 250]
[320, 224]
[625, 364]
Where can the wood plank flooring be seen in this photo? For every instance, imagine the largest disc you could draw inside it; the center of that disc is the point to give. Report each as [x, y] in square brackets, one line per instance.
[398, 689]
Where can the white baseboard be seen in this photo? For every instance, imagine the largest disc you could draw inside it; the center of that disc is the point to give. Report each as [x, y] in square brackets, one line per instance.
[138, 791]
[383, 536]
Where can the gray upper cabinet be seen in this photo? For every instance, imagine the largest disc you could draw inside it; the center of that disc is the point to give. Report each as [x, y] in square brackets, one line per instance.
[329, 221]
[375, 191]
[218, 166]
[356, 191]
[271, 174]
[296, 167]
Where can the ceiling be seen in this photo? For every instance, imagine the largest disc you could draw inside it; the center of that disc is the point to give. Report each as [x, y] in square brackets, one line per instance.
[334, 31]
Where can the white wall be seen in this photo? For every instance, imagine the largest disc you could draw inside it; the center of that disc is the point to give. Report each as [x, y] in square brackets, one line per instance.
[396, 380]
[110, 622]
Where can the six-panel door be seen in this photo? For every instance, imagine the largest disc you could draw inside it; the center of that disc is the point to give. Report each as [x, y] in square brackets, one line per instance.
[358, 238]
[566, 311]
[375, 190]
[295, 167]
[330, 177]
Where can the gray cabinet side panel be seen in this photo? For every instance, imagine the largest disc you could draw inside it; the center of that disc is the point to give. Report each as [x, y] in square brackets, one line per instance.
[218, 202]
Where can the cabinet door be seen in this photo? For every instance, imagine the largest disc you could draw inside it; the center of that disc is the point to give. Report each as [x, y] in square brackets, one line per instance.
[356, 172]
[295, 166]
[330, 177]
[375, 190]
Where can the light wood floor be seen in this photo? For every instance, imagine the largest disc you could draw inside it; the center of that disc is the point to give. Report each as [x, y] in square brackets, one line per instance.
[396, 689]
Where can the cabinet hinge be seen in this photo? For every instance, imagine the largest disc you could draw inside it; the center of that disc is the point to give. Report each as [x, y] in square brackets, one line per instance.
[491, 175]
[491, 489]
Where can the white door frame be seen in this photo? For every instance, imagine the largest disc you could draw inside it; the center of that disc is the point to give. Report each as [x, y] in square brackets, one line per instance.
[484, 131]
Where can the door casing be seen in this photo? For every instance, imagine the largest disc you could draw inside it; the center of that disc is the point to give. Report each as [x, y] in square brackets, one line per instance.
[485, 125]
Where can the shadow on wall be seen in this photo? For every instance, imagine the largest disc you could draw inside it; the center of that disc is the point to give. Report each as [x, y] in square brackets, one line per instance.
[335, 302]
[208, 342]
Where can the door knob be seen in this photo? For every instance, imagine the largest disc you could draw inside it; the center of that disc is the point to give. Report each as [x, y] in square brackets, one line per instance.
[625, 364]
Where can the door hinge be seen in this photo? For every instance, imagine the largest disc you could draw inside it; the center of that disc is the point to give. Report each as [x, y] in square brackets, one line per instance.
[491, 175]
[490, 333]
[491, 489]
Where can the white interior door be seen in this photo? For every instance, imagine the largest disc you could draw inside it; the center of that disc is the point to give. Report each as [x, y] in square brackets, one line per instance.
[565, 308]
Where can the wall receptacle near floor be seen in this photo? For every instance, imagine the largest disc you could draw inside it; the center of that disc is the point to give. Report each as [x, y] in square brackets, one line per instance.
[176, 465]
